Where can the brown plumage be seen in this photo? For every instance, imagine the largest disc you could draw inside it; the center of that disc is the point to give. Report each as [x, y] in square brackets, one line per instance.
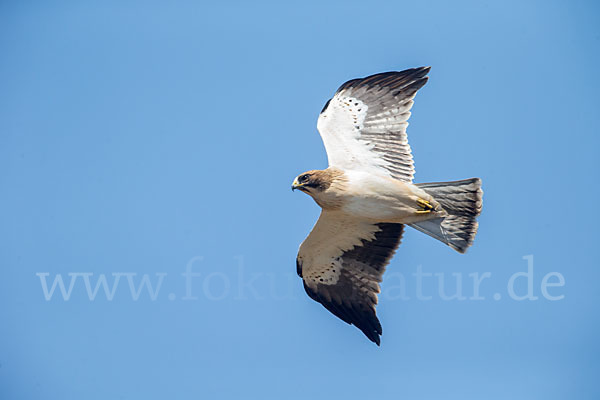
[326, 187]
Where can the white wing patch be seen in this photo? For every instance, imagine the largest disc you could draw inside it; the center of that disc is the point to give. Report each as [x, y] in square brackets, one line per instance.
[344, 120]
[364, 125]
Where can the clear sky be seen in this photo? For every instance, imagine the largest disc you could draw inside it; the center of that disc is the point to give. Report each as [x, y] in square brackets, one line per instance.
[147, 139]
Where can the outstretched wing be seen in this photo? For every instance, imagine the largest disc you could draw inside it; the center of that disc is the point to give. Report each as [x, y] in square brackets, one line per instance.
[364, 125]
[341, 263]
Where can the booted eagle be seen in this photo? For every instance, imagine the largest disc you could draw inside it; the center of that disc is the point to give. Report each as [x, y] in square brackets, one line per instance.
[367, 197]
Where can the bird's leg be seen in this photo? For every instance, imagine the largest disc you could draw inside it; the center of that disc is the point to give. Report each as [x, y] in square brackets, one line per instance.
[426, 206]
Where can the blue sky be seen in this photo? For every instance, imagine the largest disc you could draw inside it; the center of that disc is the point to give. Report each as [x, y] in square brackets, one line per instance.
[154, 138]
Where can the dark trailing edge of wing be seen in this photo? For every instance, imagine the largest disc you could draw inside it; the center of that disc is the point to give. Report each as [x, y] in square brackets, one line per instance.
[378, 252]
[345, 299]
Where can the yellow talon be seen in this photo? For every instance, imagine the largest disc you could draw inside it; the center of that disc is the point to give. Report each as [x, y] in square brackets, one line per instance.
[425, 205]
[423, 211]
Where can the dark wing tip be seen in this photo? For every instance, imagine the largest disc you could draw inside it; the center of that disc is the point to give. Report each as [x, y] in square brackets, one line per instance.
[391, 80]
[371, 328]
[419, 72]
[377, 340]
[413, 79]
[364, 319]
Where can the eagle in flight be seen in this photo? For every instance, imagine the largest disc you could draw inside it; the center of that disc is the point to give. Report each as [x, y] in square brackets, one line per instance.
[367, 197]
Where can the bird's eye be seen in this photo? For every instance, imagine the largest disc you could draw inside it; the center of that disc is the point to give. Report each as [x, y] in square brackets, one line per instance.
[303, 178]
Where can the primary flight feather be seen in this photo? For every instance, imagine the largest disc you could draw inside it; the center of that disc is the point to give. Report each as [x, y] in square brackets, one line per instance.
[367, 196]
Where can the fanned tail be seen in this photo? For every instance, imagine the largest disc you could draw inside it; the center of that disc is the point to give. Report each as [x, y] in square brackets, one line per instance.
[462, 200]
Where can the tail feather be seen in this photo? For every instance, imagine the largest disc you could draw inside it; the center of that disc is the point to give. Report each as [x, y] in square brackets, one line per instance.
[462, 200]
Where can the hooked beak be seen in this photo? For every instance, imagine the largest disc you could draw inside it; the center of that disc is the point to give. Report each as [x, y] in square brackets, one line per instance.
[296, 185]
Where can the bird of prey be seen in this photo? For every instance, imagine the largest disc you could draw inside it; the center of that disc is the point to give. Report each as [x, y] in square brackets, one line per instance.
[367, 197]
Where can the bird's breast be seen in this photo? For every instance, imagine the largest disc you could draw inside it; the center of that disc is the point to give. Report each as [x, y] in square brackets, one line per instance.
[380, 198]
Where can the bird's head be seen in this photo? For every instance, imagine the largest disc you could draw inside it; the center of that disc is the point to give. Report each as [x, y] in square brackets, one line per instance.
[311, 182]
[325, 186]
